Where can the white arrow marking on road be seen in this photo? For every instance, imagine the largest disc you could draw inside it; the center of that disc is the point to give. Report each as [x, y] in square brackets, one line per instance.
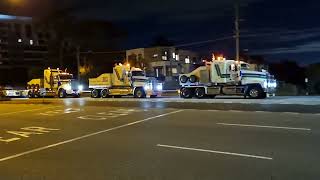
[30, 110]
[216, 152]
[85, 136]
[259, 126]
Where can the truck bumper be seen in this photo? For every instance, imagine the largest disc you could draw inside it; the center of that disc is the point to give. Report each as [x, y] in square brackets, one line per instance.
[153, 93]
[73, 92]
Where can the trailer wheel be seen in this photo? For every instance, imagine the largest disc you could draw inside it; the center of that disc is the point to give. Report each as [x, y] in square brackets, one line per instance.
[139, 93]
[62, 93]
[200, 93]
[104, 93]
[95, 93]
[254, 92]
[186, 93]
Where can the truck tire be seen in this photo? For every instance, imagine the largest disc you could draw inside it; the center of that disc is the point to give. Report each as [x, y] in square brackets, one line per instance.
[104, 93]
[254, 92]
[95, 93]
[183, 79]
[139, 93]
[62, 93]
[186, 93]
[193, 79]
[200, 93]
[30, 94]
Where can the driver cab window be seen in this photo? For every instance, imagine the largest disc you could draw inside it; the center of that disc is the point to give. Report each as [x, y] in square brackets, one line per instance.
[233, 67]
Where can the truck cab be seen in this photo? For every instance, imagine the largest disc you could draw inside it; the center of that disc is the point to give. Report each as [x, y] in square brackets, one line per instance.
[124, 81]
[226, 77]
[55, 82]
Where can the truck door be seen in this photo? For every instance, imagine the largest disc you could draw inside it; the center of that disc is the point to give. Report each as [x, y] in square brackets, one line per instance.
[234, 73]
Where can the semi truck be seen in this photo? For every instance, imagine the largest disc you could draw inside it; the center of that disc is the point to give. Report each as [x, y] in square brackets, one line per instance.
[124, 81]
[227, 77]
[54, 83]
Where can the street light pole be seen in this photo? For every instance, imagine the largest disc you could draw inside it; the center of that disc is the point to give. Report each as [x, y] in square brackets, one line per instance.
[78, 61]
[237, 32]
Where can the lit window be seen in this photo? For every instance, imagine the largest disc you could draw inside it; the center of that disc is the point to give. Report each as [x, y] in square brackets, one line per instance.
[177, 57]
[164, 58]
[187, 60]
[31, 42]
[174, 71]
[173, 55]
[155, 55]
[19, 40]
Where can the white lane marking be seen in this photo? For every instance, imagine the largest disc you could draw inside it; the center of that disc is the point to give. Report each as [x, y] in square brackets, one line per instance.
[30, 110]
[259, 126]
[85, 136]
[217, 152]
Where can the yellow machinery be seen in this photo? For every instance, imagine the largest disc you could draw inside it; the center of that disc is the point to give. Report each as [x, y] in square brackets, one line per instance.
[55, 82]
[124, 81]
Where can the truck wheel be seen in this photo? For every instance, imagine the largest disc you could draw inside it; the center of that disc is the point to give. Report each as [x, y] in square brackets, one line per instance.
[139, 93]
[95, 93]
[104, 93]
[30, 94]
[184, 79]
[186, 93]
[62, 93]
[200, 93]
[264, 95]
[254, 92]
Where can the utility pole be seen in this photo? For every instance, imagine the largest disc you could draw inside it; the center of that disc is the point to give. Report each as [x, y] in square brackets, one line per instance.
[237, 31]
[78, 61]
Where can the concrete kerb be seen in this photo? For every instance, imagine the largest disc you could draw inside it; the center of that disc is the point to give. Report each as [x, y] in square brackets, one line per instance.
[308, 109]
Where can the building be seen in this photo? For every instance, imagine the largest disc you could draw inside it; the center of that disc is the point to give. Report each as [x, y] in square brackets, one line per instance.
[163, 62]
[23, 48]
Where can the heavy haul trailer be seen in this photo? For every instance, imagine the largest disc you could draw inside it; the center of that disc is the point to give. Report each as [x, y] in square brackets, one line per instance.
[55, 82]
[124, 81]
[226, 77]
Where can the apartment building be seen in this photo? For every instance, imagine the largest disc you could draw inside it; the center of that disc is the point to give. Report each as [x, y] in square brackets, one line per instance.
[23, 47]
[166, 62]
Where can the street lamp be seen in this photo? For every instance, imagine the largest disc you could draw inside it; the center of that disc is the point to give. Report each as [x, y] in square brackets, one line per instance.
[15, 2]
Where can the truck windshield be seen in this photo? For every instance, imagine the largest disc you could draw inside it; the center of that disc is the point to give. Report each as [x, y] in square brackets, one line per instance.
[138, 73]
[65, 76]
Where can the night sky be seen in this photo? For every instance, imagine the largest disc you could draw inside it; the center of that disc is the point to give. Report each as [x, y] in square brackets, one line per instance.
[277, 29]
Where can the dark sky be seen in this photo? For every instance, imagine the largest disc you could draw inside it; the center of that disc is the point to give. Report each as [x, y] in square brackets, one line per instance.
[278, 29]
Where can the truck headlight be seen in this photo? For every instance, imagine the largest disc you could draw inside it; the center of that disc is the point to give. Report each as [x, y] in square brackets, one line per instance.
[68, 87]
[159, 87]
[265, 85]
[147, 87]
[80, 88]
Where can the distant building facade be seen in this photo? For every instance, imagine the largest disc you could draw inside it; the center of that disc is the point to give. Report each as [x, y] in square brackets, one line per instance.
[23, 46]
[166, 62]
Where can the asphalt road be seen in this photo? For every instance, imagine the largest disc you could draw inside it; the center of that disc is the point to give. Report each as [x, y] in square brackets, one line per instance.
[97, 142]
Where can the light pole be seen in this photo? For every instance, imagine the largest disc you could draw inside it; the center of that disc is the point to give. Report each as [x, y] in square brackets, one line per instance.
[237, 32]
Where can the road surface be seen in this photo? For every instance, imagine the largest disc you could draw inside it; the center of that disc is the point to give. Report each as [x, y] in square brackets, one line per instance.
[86, 141]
